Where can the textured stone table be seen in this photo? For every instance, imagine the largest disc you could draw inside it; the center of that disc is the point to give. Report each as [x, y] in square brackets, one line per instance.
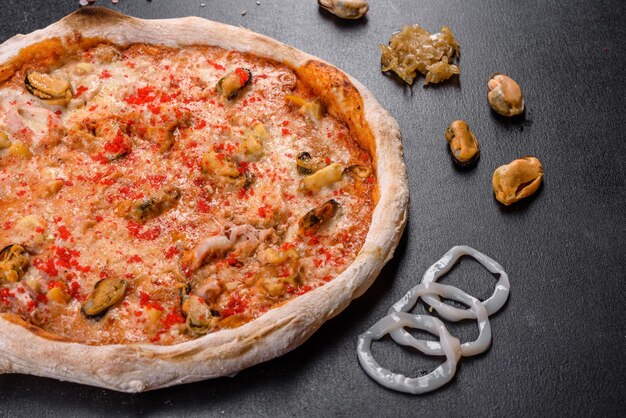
[558, 345]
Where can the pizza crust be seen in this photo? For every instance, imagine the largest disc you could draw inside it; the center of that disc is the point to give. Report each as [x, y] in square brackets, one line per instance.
[140, 367]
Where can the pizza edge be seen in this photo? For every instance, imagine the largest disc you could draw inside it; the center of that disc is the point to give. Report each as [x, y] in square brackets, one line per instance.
[136, 368]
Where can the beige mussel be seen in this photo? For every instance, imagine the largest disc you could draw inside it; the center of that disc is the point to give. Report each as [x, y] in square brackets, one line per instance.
[316, 217]
[232, 83]
[345, 9]
[14, 262]
[198, 316]
[505, 95]
[53, 90]
[307, 164]
[150, 207]
[517, 180]
[464, 146]
[106, 293]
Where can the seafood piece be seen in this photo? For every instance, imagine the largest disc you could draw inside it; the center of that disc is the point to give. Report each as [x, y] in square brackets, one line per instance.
[151, 207]
[306, 164]
[358, 171]
[450, 346]
[212, 246]
[441, 71]
[517, 180]
[345, 9]
[117, 143]
[20, 150]
[324, 177]
[281, 268]
[230, 85]
[278, 257]
[106, 293]
[163, 135]
[317, 217]
[198, 316]
[210, 291]
[415, 49]
[314, 110]
[251, 148]
[52, 90]
[217, 245]
[464, 146]
[505, 95]
[58, 293]
[14, 262]
[249, 180]
[52, 187]
[219, 164]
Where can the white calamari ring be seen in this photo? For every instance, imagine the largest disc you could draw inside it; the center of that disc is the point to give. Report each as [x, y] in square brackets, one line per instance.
[433, 348]
[415, 385]
[441, 267]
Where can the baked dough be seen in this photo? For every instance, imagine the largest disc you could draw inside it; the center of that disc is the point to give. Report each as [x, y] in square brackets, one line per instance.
[25, 348]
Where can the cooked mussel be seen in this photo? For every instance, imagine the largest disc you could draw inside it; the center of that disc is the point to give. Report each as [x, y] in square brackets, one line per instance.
[231, 84]
[151, 207]
[517, 180]
[53, 90]
[505, 95]
[317, 217]
[249, 180]
[198, 315]
[345, 9]
[464, 146]
[358, 171]
[14, 262]
[306, 164]
[106, 293]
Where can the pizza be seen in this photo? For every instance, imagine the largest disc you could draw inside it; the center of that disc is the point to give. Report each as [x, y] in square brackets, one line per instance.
[181, 199]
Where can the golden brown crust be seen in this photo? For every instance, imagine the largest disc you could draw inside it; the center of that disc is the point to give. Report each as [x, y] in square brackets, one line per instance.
[134, 368]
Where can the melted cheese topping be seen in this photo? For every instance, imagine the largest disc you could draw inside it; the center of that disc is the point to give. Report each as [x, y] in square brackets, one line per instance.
[150, 176]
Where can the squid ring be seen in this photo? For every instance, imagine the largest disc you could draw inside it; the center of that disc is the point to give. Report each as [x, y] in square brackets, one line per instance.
[449, 259]
[416, 385]
[434, 348]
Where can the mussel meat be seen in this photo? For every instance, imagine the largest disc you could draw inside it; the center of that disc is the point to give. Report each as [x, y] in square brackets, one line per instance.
[345, 9]
[106, 293]
[464, 146]
[14, 262]
[53, 90]
[317, 217]
[517, 180]
[231, 84]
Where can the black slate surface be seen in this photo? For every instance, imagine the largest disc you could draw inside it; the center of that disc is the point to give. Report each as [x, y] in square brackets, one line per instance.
[558, 344]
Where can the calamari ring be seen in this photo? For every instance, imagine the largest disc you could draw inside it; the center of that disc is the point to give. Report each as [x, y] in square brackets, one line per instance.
[449, 259]
[433, 348]
[450, 346]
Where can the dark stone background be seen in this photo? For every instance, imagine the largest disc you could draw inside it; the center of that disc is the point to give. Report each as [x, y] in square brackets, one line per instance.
[558, 344]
